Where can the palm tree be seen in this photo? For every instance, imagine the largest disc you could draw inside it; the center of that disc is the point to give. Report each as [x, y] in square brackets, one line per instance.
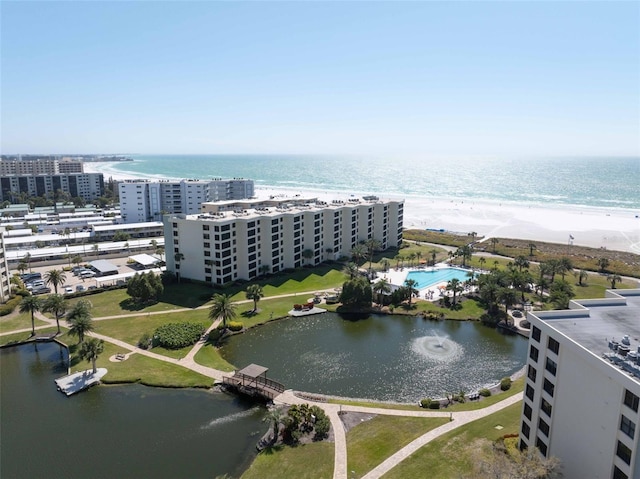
[434, 253]
[358, 252]
[79, 316]
[372, 244]
[411, 286]
[255, 293]
[582, 275]
[613, 279]
[532, 248]
[565, 265]
[454, 286]
[307, 254]
[473, 235]
[55, 278]
[22, 266]
[521, 262]
[466, 252]
[223, 308]
[264, 269]
[494, 242]
[27, 259]
[603, 263]
[31, 304]
[418, 256]
[381, 287]
[96, 249]
[507, 296]
[385, 264]
[91, 350]
[274, 417]
[482, 260]
[77, 259]
[411, 256]
[57, 305]
[351, 269]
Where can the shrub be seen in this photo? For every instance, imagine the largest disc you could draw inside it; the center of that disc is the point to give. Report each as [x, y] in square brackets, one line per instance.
[177, 335]
[434, 405]
[505, 384]
[235, 325]
[145, 341]
[484, 392]
[9, 306]
[425, 403]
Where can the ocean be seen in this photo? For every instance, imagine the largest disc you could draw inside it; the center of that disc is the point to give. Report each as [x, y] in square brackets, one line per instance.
[584, 182]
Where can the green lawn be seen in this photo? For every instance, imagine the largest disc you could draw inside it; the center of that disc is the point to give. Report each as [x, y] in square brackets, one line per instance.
[21, 321]
[451, 455]
[20, 337]
[373, 441]
[210, 357]
[308, 461]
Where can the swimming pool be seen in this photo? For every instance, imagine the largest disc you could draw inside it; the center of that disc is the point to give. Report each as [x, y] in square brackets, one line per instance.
[428, 278]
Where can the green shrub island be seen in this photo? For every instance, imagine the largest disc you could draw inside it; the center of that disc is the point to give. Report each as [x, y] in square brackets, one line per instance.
[505, 384]
[484, 392]
[177, 335]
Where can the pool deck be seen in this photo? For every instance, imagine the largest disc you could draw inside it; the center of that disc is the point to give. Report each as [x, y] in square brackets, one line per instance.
[79, 381]
[396, 278]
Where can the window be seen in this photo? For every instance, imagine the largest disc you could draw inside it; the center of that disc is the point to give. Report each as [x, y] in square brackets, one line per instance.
[533, 353]
[623, 452]
[525, 429]
[541, 446]
[627, 426]
[548, 386]
[532, 373]
[535, 333]
[553, 345]
[529, 392]
[631, 400]
[551, 366]
[618, 474]
[543, 426]
[527, 412]
[545, 406]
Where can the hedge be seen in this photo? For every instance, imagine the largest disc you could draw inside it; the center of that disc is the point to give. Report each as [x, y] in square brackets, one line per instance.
[177, 335]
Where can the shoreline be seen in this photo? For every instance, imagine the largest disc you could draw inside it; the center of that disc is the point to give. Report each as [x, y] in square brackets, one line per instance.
[597, 227]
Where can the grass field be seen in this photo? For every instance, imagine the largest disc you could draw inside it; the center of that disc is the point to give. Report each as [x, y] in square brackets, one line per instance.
[307, 461]
[21, 321]
[371, 442]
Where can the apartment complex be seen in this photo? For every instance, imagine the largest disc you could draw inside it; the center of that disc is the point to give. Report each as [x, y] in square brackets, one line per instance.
[40, 166]
[244, 239]
[582, 391]
[87, 186]
[144, 200]
[5, 286]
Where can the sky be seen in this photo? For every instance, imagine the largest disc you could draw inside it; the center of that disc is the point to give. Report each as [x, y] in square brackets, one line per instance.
[450, 78]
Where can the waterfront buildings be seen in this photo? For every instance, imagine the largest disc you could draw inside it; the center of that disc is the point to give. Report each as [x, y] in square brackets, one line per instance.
[40, 166]
[582, 391]
[229, 241]
[145, 200]
[5, 286]
[87, 186]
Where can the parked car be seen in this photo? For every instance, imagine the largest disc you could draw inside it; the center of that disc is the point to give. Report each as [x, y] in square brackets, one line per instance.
[41, 290]
[79, 288]
[87, 274]
[68, 290]
[27, 277]
[79, 271]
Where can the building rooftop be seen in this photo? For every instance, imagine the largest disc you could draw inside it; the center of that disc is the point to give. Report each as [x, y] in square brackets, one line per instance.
[593, 323]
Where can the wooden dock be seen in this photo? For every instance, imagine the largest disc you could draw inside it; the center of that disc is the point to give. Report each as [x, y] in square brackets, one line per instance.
[252, 381]
[79, 381]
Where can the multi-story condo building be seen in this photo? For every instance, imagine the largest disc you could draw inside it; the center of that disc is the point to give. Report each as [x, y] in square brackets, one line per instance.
[5, 286]
[582, 391]
[40, 166]
[244, 239]
[145, 200]
[87, 186]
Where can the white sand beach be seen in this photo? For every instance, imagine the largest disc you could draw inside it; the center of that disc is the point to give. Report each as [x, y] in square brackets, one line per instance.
[614, 229]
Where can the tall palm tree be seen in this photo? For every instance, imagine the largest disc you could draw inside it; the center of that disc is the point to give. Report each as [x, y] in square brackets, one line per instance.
[385, 264]
[454, 286]
[532, 248]
[80, 326]
[55, 278]
[359, 252]
[254, 293]
[307, 254]
[57, 305]
[223, 308]
[565, 265]
[90, 350]
[381, 287]
[521, 262]
[473, 235]
[372, 245]
[264, 269]
[411, 286]
[603, 263]
[613, 279]
[411, 256]
[27, 259]
[31, 304]
[507, 296]
[418, 256]
[77, 259]
[275, 417]
[466, 252]
[482, 260]
[434, 254]
[494, 242]
[351, 269]
[582, 276]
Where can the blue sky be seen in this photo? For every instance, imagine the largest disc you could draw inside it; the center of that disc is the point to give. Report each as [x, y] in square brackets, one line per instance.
[401, 78]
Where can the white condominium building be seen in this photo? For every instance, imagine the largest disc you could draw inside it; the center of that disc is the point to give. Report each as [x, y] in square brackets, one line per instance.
[145, 200]
[40, 166]
[242, 240]
[5, 286]
[582, 391]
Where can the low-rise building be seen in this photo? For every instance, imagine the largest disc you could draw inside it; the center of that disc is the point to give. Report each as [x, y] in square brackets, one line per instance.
[87, 186]
[5, 285]
[582, 390]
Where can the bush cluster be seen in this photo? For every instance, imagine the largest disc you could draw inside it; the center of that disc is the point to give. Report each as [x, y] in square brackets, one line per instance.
[235, 325]
[9, 306]
[505, 384]
[484, 392]
[145, 287]
[429, 403]
[177, 335]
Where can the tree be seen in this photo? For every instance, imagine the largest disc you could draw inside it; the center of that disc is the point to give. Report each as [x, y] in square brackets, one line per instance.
[507, 297]
[350, 269]
[613, 279]
[385, 264]
[307, 254]
[96, 249]
[454, 286]
[582, 276]
[381, 287]
[494, 242]
[532, 248]
[603, 263]
[472, 235]
[493, 461]
[560, 293]
[465, 252]
[274, 417]
[55, 278]
[222, 308]
[22, 266]
[31, 304]
[57, 305]
[411, 286]
[255, 293]
[90, 351]
[264, 269]
[27, 259]
[434, 254]
[357, 293]
[121, 236]
[564, 266]
[79, 317]
[358, 252]
[372, 245]
[77, 259]
[411, 256]
[521, 262]
[482, 261]
[145, 287]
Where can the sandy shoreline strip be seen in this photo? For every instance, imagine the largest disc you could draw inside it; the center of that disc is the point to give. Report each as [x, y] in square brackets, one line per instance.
[614, 229]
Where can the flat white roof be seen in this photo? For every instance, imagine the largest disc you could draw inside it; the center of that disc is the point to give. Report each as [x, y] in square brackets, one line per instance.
[127, 226]
[144, 259]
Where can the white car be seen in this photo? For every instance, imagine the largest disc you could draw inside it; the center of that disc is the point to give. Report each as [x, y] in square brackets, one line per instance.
[68, 290]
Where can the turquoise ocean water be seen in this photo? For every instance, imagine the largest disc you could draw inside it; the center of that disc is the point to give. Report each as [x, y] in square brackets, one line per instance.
[591, 182]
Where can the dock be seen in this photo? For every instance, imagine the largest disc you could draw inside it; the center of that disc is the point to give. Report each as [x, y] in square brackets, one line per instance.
[79, 381]
[252, 381]
[306, 312]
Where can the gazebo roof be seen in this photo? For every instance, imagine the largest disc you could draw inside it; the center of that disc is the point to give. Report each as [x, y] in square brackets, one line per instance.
[254, 370]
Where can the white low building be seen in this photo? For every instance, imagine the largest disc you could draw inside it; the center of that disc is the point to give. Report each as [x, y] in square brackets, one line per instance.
[225, 245]
[582, 391]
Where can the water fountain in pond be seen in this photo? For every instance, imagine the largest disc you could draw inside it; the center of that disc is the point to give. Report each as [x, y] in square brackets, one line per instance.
[439, 348]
